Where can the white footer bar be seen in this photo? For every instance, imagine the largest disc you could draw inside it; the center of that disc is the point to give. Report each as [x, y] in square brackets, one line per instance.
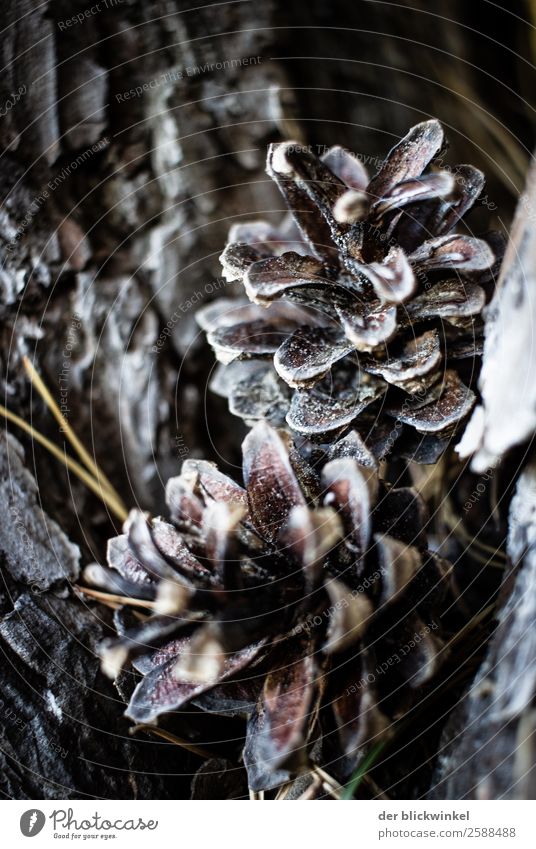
[163, 824]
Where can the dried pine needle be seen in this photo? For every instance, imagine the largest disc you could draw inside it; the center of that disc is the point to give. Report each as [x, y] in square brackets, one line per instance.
[328, 779]
[256, 795]
[84, 455]
[112, 599]
[172, 738]
[310, 792]
[112, 501]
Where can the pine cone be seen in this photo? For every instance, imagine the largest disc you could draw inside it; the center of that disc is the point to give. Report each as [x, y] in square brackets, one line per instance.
[287, 602]
[374, 304]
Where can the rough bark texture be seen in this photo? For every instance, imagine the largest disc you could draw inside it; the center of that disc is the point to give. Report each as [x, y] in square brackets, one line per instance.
[33, 546]
[63, 734]
[115, 206]
[114, 214]
[488, 746]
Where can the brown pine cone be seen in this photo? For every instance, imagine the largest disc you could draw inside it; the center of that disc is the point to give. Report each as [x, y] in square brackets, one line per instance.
[374, 304]
[287, 601]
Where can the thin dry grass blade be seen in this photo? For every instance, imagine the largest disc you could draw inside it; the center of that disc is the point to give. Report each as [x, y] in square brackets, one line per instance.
[84, 455]
[112, 501]
[172, 738]
[115, 600]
